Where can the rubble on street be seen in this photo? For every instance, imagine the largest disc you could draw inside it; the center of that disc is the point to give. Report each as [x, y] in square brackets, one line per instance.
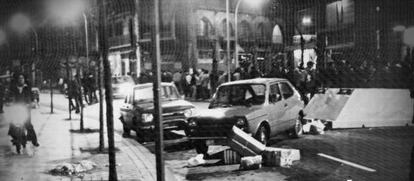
[73, 169]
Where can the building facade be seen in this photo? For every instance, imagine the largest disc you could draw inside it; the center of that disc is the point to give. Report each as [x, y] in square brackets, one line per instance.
[355, 31]
[193, 35]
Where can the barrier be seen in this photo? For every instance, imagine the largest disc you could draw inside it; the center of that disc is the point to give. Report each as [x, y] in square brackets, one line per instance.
[376, 108]
[364, 107]
[325, 106]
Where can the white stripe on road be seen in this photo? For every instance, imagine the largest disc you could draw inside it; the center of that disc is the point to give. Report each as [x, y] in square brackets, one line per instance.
[347, 162]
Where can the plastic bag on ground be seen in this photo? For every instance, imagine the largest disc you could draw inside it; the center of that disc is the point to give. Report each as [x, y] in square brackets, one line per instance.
[197, 160]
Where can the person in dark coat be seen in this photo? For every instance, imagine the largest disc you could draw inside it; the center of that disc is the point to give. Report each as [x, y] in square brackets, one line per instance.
[21, 94]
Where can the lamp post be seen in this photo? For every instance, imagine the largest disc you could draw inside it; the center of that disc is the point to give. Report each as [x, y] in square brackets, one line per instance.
[228, 39]
[86, 37]
[33, 66]
[236, 13]
[236, 52]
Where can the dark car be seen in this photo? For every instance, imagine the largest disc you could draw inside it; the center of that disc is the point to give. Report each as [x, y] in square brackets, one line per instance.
[138, 108]
[261, 107]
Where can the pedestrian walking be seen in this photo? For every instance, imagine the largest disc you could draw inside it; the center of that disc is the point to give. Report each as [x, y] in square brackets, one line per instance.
[21, 94]
[74, 95]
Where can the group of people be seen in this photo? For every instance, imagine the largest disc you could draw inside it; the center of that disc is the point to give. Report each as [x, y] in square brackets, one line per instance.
[79, 89]
[20, 93]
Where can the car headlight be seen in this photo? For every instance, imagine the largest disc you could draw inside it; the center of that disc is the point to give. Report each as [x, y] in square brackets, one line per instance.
[147, 117]
[189, 112]
[241, 123]
[192, 123]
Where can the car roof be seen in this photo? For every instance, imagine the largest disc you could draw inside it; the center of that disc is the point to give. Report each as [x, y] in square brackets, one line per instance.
[255, 81]
[150, 84]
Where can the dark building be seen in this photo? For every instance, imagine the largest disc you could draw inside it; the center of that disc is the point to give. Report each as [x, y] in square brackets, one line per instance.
[193, 33]
[355, 31]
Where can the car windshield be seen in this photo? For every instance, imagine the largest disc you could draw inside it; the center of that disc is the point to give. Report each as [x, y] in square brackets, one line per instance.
[120, 80]
[240, 94]
[145, 93]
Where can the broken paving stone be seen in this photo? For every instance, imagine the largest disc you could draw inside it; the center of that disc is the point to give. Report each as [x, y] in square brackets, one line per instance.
[69, 169]
[251, 162]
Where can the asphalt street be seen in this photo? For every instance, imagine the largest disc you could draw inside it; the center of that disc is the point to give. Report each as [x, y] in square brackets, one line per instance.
[347, 154]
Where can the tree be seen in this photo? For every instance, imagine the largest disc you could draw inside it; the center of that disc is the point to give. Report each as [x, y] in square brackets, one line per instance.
[108, 89]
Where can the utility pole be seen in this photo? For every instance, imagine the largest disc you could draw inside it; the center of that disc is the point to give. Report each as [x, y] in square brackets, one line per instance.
[156, 59]
[108, 90]
[228, 39]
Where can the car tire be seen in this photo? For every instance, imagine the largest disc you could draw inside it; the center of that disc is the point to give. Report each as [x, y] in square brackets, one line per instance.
[262, 134]
[297, 130]
[143, 135]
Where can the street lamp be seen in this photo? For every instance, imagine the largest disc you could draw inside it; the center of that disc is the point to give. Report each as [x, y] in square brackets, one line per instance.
[236, 12]
[86, 37]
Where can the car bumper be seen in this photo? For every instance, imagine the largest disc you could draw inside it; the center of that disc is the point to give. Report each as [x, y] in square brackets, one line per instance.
[167, 125]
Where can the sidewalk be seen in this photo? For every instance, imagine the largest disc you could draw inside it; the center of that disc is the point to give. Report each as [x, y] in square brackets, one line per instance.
[58, 144]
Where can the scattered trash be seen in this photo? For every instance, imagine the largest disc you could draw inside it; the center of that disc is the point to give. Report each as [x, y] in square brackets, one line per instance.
[251, 162]
[69, 169]
[197, 160]
[314, 127]
[280, 157]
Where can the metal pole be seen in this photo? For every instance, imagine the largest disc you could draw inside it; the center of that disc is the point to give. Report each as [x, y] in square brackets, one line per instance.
[68, 83]
[86, 38]
[228, 39]
[156, 56]
[236, 52]
[33, 68]
[51, 96]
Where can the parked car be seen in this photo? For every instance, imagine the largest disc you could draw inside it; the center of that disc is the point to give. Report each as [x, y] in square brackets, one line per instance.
[262, 107]
[138, 108]
[121, 85]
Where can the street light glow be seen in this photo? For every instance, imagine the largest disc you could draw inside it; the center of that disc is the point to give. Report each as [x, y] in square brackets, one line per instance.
[399, 28]
[408, 37]
[20, 23]
[306, 20]
[64, 12]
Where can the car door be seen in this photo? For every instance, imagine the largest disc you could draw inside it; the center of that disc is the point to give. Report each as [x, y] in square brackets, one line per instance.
[275, 108]
[288, 118]
[127, 110]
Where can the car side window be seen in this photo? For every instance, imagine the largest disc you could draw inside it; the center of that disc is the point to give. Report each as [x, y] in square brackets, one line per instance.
[287, 91]
[274, 93]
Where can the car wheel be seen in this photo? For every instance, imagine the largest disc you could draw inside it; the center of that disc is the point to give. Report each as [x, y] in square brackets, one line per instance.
[262, 134]
[297, 130]
[143, 135]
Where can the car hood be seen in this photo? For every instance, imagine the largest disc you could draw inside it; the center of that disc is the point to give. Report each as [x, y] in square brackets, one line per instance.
[220, 112]
[167, 106]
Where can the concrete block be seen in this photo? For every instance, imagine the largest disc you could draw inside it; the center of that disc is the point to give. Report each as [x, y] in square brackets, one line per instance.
[280, 156]
[251, 162]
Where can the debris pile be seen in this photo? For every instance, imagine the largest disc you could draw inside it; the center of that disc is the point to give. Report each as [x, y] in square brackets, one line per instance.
[314, 127]
[73, 169]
